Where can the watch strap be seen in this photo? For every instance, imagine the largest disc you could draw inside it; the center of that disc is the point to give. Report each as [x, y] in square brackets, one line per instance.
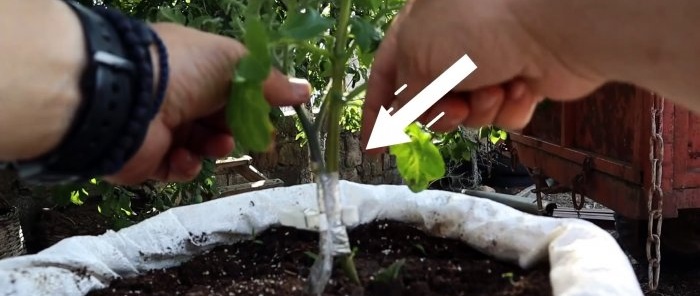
[106, 86]
[119, 100]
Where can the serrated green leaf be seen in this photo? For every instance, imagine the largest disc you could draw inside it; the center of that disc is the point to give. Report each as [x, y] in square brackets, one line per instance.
[173, 15]
[366, 35]
[248, 116]
[252, 69]
[305, 25]
[256, 39]
[419, 162]
[247, 111]
[256, 65]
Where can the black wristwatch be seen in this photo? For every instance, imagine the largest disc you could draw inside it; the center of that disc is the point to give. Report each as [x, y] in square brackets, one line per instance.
[117, 105]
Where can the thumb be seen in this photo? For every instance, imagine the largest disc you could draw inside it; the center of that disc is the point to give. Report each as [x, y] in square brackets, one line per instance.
[280, 90]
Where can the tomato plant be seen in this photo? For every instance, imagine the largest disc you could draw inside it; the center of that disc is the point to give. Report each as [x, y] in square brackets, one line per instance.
[329, 43]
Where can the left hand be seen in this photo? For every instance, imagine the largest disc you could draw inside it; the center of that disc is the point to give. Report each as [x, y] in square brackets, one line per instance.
[191, 123]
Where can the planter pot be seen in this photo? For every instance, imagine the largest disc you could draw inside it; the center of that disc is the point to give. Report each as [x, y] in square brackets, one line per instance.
[11, 236]
[584, 259]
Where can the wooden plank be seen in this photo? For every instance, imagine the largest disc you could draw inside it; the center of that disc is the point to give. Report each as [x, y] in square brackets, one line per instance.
[607, 123]
[568, 124]
[249, 173]
[230, 162]
[686, 149]
[600, 164]
[607, 189]
[248, 187]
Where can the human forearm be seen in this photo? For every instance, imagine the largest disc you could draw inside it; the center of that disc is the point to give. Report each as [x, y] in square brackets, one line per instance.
[653, 44]
[43, 56]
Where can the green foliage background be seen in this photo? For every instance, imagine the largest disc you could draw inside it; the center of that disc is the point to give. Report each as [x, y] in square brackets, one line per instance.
[296, 37]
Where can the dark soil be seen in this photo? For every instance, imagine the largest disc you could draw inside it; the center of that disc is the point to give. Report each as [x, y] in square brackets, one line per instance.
[278, 262]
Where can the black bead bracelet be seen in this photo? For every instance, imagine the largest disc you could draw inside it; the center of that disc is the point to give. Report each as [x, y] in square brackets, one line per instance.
[137, 38]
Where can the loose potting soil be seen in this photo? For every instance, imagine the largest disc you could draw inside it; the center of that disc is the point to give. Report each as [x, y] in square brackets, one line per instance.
[277, 262]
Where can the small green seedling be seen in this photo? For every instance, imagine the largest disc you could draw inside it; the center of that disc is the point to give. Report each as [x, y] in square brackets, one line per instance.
[420, 248]
[509, 276]
[390, 273]
[348, 265]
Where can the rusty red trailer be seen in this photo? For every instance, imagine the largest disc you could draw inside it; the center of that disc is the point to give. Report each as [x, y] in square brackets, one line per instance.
[606, 137]
[612, 127]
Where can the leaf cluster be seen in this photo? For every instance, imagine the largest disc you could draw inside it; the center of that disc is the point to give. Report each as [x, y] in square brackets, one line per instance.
[116, 202]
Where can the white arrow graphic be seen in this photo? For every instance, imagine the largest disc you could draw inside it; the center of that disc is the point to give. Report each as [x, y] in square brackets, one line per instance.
[389, 129]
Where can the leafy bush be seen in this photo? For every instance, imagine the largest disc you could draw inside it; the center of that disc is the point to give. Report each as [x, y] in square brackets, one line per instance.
[115, 202]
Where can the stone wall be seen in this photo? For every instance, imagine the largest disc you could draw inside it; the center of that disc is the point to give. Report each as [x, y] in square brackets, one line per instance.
[290, 162]
[360, 167]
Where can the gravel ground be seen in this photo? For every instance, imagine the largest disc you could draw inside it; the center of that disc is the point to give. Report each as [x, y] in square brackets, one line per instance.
[563, 200]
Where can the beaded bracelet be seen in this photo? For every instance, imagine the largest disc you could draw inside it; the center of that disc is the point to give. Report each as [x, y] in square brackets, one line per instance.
[137, 37]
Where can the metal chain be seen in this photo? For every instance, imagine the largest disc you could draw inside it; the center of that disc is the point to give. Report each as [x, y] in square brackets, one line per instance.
[579, 184]
[656, 156]
[514, 160]
[536, 174]
[577, 199]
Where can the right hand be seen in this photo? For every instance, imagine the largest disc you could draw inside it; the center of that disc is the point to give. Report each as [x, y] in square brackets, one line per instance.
[515, 70]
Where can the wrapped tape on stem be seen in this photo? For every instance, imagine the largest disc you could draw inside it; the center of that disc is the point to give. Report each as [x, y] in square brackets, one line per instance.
[333, 238]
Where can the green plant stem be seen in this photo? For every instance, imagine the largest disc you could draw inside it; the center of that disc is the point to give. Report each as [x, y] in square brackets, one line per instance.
[323, 111]
[335, 109]
[311, 135]
[339, 60]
